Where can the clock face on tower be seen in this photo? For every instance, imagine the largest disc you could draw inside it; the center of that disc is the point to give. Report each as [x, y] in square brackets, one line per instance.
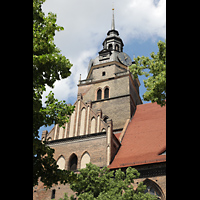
[125, 59]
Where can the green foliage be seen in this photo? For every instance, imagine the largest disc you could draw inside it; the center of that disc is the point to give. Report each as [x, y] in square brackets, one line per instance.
[48, 66]
[155, 84]
[55, 111]
[93, 183]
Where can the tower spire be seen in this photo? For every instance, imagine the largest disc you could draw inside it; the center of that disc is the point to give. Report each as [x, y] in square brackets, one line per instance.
[113, 20]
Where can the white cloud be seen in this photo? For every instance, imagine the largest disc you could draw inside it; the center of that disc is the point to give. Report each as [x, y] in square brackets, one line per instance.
[66, 89]
[86, 24]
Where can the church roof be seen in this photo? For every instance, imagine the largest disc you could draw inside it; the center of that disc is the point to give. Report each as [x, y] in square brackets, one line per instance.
[144, 139]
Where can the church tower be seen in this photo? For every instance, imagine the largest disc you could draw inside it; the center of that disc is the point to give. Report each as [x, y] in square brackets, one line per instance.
[109, 84]
[106, 101]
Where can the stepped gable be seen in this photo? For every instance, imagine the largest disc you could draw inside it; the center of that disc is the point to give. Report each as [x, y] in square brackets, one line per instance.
[83, 121]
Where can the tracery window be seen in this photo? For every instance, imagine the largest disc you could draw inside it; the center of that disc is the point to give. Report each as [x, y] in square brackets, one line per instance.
[153, 189]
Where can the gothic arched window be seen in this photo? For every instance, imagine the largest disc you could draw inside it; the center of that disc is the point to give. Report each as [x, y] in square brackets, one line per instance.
[83, 119]
[61, 162]
[153, 188]
[106, 93]
[73, 162]
[85, 159]
[93, 125]
[99, 93]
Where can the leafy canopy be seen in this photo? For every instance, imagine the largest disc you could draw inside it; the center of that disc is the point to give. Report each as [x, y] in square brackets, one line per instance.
[48, 66]
[93, 183]
[156, 83]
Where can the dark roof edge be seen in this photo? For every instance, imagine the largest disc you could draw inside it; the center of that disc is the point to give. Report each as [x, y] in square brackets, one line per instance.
[140, 163]
[76, 138]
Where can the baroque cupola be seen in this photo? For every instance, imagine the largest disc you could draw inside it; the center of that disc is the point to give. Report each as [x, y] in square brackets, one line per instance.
[112, 49]
[113, 42]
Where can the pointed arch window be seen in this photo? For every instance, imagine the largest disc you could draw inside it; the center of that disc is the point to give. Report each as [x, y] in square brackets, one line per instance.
[106, 93]
[99, 94]
[93, 125]
[85, 159]
[61, 162]
[73, 162]
[83, 119]
[154, 189]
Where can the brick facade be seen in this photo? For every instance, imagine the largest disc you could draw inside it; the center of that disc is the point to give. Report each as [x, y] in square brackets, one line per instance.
[94, 145]
[123, 92]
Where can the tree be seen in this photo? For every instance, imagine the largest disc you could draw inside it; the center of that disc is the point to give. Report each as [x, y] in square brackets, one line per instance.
[48, 66]
[93, 183]
[155, 84]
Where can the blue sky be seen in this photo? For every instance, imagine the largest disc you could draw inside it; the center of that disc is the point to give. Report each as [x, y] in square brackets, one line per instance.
[141, 24]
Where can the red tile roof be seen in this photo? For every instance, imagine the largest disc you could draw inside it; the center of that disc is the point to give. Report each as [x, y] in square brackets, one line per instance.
[117, 135]
[145, 138]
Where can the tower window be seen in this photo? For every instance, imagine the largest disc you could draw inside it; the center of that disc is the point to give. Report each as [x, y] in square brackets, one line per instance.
[117, 47]
[103, 73]
[99, 93]
[106, 93]
[110, 46]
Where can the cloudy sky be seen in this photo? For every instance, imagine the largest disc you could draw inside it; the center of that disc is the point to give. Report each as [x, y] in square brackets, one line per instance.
[141, 24]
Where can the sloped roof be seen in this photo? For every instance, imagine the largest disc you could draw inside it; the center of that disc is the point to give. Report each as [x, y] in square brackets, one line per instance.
[117, 135]
[144, 139]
